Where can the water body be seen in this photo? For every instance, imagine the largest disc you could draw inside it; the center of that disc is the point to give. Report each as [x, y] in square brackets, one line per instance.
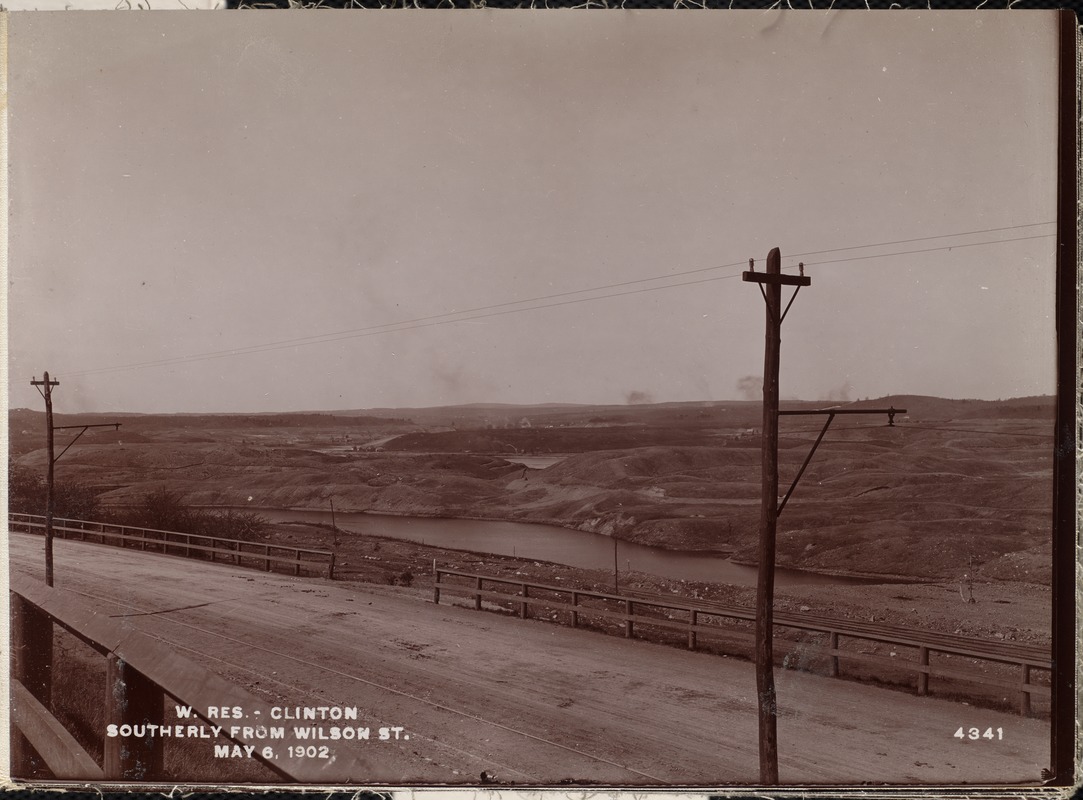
[534, 462]
[549, 543]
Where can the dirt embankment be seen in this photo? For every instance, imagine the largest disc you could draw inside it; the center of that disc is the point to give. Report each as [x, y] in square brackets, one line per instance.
[930, 498]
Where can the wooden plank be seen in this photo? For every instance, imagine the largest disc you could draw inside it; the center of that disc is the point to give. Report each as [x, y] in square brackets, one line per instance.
[931, 671]
[470, 591]
[58, 524]
[923, 669]
[133, 699]
[898, 637]
[32, 648]
[541, 586]
[64, 756]
[296, 562]
[776, 278]
[183, 680]
[579, 611]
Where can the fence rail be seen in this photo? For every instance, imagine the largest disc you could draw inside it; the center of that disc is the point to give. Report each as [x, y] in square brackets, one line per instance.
[141, 675]
[235, 551]
[732, 625]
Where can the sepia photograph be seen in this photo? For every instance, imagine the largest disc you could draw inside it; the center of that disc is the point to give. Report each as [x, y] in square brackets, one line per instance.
[557, 399]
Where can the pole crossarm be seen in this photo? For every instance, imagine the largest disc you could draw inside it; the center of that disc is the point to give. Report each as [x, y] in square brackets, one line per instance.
[831, 414]
[48, 384]
[114, 425]
[84, 427]
[891, 412]
[776, 278]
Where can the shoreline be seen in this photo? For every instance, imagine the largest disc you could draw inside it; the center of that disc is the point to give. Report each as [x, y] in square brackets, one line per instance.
[870, 577]
[1004, 610]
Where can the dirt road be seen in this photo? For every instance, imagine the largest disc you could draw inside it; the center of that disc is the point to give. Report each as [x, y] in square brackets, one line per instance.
[529, 702]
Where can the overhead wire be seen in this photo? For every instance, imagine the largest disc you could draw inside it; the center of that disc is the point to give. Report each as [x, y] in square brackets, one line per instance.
[925, 427]
[922, 426]
[491, 309]
[922, 239]
[928, 250]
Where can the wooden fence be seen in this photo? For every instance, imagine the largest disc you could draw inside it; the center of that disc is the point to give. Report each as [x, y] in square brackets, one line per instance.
[141, 675]
[189, 545]
[733, 626]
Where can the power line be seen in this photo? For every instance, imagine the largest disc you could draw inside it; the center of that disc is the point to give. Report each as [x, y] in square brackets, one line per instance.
[922, 426]
[456, 316]
[925, 427]
[929, 249]
[922, 239]
[362, 333]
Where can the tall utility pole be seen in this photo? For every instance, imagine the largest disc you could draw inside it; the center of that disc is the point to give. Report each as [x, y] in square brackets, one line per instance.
[770, 507]
[770, 284]
[45, 389]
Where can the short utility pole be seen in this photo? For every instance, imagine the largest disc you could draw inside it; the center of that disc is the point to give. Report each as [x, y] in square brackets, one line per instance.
[770, 285]
[45, 389]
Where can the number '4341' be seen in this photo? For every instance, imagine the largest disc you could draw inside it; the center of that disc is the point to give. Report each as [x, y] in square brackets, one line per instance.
[978, 733]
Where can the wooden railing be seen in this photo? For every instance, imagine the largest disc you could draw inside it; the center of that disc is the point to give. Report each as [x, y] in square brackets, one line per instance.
[733, 626]
[189, 545]
[141, 674]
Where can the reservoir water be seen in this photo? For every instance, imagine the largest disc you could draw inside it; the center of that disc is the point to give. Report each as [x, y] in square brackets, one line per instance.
[548, 543]
[534, 462]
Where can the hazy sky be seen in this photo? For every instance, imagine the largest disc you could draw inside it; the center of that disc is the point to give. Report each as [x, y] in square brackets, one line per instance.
[186, 184]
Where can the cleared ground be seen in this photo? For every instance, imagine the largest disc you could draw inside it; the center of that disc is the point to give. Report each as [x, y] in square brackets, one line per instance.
[531, 703]
[954, 488]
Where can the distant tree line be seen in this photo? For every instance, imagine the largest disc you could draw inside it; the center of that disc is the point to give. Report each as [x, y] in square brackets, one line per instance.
[161, 509]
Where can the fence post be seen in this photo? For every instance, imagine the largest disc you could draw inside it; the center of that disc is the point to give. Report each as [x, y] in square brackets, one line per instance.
[575, 605]
[32, 649]
[628, 621]
[297, 565]
[133, 699]
[436, 586]
[923, 670]
[32, 655]
[1024, 696]
[477, 597]
[833, 643]
[522, 603]
[331, 568]
[693, 618]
